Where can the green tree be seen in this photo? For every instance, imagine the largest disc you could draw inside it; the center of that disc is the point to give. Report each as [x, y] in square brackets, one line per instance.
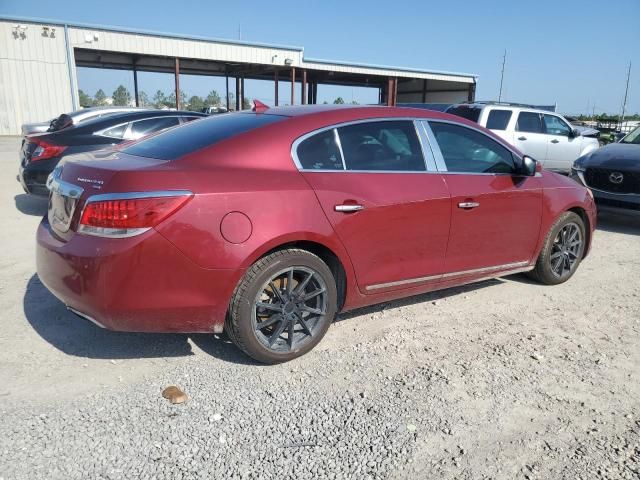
[339, 101]
[121, 96]
[353, 102]
[143, 99]
[100, 98]
[213, 99]
[171, 100]
[85, 100]
[196, 103]
[159, 99]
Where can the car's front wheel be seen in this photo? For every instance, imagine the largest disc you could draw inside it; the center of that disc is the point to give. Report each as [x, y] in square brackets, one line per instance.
[283, 306]
[562, 251]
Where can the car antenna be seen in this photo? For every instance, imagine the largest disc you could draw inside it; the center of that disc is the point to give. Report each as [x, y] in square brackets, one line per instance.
[259, 107]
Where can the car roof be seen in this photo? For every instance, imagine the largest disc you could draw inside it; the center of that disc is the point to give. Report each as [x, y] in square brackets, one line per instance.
[117, 118]
[504, 106]
[364, 111]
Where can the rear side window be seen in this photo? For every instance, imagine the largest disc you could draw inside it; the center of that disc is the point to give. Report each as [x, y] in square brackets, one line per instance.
[470, 113]
[115, 132]
[194, 136]
[142, 128]
[529, 122]
[498, 119]
[376, 146]
[468, 151]
[320, 152]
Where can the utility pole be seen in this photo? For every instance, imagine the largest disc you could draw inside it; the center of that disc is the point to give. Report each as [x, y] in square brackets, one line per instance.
[239, 32]
[626, 91]
[504, 60]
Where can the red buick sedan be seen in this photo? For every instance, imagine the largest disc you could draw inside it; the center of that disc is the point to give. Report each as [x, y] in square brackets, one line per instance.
[267, 223]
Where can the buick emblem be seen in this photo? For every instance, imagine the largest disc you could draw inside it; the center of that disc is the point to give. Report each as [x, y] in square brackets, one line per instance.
[616, 177]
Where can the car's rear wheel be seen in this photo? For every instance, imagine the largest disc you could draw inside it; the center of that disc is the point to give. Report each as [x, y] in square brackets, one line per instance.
[283, 306]
[562, 251]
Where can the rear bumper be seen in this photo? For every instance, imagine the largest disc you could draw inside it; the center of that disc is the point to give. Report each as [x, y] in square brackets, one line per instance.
[33, 176]
[137, 284]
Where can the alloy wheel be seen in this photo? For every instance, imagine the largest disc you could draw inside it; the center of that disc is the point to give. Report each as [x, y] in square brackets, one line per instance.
[290, 309]
[566, 249]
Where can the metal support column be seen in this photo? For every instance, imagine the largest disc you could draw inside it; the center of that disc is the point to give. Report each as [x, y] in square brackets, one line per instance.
[424, 91]
[304, 87]
[237, 93]
[135, 85]
[226, 79]
[275, 92]
[293, 85]
[241, 93]
[472, 92]
[315, 92]
[177, 78]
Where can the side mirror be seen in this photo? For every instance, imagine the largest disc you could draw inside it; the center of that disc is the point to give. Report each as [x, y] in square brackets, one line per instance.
[574, 133]
[529, 166]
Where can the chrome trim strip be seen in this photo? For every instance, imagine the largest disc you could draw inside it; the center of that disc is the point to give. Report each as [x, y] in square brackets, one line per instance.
[302, 138]
[130, 195]
[85, 316]
[435, 148]
[111, 232]
[66, 189]
[444, 276]
[336, 137]
[427, 153]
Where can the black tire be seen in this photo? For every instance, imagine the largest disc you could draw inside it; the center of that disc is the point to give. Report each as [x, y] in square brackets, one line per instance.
[279, 282]
[565, 261]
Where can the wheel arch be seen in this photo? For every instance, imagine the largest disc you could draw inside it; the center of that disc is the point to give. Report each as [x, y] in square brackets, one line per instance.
[582, 213]
[330, 253]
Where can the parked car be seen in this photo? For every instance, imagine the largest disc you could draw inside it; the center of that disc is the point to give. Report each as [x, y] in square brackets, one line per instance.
[543, 135]
[40, 153]
[613, 173]
[213, 110]
[267, 223]
[73, 118]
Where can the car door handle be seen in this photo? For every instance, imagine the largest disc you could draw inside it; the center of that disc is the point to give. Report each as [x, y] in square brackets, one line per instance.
[522, 138]
[468, 205]
[348, 208]
[555, 141]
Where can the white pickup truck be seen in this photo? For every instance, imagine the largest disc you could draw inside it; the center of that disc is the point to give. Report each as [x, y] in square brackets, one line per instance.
[546, 136]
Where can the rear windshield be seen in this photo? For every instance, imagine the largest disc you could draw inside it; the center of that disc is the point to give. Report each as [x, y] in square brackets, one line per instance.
[196, 135]
[470, 113]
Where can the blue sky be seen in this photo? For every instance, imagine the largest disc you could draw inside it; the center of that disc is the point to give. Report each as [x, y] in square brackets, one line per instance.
[571, 52]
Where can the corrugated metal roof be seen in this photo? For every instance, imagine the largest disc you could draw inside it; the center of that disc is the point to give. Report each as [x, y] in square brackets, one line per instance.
[321, 64]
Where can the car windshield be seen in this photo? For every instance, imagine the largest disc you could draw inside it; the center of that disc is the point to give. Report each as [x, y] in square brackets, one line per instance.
[633, 137]
[470, 113]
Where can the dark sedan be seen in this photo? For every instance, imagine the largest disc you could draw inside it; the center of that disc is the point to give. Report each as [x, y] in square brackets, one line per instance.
[41, 153]
[613, 173]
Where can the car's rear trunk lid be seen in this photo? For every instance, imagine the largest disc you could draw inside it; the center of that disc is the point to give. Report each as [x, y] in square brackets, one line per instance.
[79, 177]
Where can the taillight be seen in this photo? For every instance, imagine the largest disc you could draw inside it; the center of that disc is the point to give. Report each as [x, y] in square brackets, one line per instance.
[45, 150]
[126, 215]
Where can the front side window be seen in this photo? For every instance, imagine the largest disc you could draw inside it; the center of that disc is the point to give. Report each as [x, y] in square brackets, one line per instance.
[465, 150]
[382, 146]
[529, 122]
[142, 128]
[498, 119]
[320, 152]
[556, 126]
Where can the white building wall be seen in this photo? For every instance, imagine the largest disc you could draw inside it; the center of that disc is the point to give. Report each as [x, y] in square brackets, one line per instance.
[34, 78]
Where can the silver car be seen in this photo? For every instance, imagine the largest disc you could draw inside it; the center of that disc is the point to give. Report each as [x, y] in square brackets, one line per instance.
[73, 118]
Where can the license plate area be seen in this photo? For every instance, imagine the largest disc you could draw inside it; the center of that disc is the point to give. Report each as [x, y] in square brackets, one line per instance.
[63, 199]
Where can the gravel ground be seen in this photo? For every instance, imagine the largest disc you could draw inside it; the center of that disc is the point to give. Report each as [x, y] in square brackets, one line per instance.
[505, 379]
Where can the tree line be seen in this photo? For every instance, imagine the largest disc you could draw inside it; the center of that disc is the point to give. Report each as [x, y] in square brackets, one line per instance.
[122, 97]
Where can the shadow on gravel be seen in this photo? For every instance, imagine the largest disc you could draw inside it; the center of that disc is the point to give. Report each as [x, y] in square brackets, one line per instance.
[31, 204]
[423, 298]
[81, 338]
[619, 222]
